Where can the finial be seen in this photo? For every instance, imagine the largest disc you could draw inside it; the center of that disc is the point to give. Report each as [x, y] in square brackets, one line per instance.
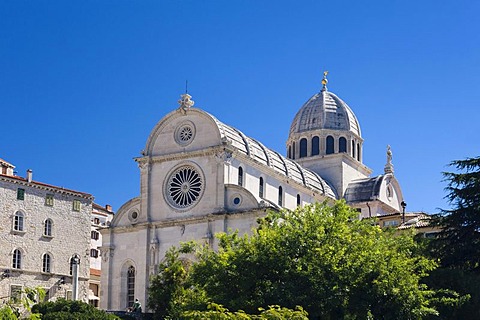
[389, 166]
[324, 81]
[185, 102]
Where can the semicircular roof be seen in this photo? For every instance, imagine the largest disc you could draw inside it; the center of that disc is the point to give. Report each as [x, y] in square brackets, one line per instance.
[258, 152]
[325, 110]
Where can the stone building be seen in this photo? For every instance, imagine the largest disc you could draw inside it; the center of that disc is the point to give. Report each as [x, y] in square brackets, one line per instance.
[100, 219]
[199, 176]
[42, 228]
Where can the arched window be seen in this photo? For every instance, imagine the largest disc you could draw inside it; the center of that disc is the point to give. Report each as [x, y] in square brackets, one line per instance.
[298, 200]
[17, 259]
[240, 176]
[46, 263]
[303, 147]
[18, 221]
[289, 152]
[329, 148]
[260, 188]
[353, 149]
[47, 230]
[358, 151]
[342, 145]
[130, 286]
[293, 151]
[315, 146]
[280, 196]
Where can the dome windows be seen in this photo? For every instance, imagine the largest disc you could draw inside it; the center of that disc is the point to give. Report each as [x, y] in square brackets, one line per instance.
[303, 147]
[342, 145]
[329, 149]
[315, 146]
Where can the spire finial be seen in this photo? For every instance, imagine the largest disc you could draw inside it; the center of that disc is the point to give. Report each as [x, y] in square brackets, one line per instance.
[185, 102]
[389, 166]
[324, 80]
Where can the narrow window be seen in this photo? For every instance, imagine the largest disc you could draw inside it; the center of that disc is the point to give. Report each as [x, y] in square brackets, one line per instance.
[260, 188]
[353, 149]
[17, 259]
[358, 151]
[315, 146]
[342, 145]
[71, 266]
[329, 148]
[96, 221]
[94, 235]
[94, 253]
[280, 196]
[289, 152]
[46, 267]
[298, 200]
[130, 286]
[49, 200]
[18, 221]
[303, 147]
[47, 230]
[76, 205]
[20, 194]
[16, 293]
[240, 176]
[293, 151]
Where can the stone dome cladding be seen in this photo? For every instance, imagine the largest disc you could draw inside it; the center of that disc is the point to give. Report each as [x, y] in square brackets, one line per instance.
[287, 167]
[325, 111]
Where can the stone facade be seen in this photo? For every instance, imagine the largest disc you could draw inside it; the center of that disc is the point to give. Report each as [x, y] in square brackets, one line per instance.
[199, 176]
[42, 228]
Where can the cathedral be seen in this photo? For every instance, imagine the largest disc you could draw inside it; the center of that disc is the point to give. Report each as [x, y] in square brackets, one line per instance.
[199, 176]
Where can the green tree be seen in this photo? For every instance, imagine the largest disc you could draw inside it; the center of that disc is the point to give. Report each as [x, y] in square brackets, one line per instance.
[70, 310]
[320, 257]
[20, 307]
[170, 291]
[458, 245]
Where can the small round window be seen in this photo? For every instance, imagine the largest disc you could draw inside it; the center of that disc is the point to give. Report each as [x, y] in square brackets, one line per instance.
[185, 133]
[133, 216]
[184, 187]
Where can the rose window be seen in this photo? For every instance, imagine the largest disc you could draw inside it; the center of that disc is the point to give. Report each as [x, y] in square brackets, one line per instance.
[184, 187]
[185, 133]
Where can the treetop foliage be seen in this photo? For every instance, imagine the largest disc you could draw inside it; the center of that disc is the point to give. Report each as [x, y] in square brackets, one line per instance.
[459, 243]
[320, 257]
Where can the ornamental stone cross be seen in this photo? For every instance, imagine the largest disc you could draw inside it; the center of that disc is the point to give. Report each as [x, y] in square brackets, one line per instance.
[185, 102]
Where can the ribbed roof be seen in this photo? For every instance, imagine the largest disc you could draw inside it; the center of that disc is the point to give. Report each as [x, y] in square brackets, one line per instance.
[258, 152]
[325, 111]
[363, 189]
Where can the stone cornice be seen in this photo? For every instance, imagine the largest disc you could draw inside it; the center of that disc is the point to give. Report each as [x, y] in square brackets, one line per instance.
[42, 186]
[188, 220]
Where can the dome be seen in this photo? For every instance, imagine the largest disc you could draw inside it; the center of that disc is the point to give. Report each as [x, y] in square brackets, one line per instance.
[325, 111]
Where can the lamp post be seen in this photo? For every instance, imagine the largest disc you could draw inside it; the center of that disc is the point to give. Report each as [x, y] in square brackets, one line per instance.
[75, 265]
[404, 205]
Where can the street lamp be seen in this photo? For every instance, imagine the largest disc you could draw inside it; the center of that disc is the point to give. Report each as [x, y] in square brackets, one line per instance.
[75, 265]
[404, 205]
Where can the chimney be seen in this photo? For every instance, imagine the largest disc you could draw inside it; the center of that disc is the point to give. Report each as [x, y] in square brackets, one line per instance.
[29, 175]
[108, 208]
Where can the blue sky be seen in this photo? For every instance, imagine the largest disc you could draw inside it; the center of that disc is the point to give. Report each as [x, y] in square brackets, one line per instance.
[82, 83]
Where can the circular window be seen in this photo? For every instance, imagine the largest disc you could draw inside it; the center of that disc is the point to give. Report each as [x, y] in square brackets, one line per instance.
[184, 187]
[133, 216]
[185, 133]
[236, 201]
